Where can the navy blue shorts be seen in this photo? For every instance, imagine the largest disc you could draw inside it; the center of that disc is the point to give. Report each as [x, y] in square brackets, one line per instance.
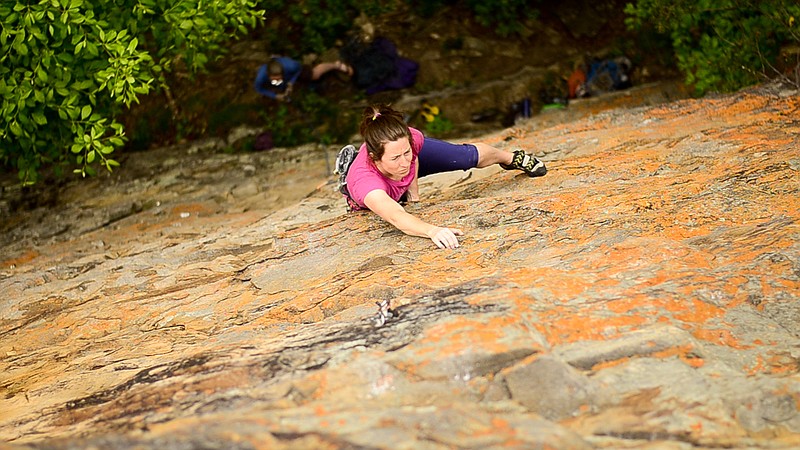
[439, 156]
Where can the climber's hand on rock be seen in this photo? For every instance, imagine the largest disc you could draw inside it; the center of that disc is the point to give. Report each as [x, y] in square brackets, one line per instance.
[445, 237]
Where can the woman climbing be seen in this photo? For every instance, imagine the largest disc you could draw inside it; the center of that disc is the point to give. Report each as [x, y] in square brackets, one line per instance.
[393, 157]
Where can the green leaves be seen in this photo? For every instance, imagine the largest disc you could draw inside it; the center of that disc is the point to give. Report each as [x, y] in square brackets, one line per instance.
[16, 129]
[69, 66]
[721, 44]
[507, 16]
[39, 118]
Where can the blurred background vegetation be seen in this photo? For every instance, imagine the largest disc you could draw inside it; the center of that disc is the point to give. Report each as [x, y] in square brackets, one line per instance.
[724, 45]
[71, 68]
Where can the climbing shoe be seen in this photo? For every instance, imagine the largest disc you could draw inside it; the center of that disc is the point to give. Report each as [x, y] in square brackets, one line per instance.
[343, 161]
[526, 163]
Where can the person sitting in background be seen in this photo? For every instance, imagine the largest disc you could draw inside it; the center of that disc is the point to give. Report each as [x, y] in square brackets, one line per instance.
[378, 65]
[277, 78]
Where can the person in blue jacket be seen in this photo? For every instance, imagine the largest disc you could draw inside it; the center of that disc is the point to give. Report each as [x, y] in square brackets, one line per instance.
[277, 78]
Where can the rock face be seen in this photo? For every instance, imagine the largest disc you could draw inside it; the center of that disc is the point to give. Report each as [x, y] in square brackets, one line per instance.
[644, 294]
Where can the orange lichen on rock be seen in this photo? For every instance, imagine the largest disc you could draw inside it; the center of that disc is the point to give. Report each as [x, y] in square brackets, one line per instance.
[461, 335]
[644, 293]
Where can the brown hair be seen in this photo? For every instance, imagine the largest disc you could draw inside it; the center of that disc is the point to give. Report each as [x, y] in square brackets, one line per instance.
[381, 124]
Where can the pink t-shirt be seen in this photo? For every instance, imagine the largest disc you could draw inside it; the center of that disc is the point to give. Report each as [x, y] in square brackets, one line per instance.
[363, 177]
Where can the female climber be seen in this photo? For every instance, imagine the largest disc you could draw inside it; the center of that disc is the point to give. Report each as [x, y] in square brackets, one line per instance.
[392, 158]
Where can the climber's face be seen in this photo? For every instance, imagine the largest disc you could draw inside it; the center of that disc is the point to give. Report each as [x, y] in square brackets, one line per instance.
[396, 160]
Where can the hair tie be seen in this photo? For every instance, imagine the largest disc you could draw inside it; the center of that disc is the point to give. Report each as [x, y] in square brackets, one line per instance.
[376, 115]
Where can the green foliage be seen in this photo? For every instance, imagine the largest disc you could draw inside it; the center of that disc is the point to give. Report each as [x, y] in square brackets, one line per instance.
[309, 118]
[435, 123]
[427, 8]
[453, 44]
[721, 44]
[229, 115]
[69, 67]
[333, 124]
[439, 126]
[312, 26]
[507, 16]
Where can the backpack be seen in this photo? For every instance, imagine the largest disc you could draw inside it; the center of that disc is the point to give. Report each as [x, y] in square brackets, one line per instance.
[606, 76]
